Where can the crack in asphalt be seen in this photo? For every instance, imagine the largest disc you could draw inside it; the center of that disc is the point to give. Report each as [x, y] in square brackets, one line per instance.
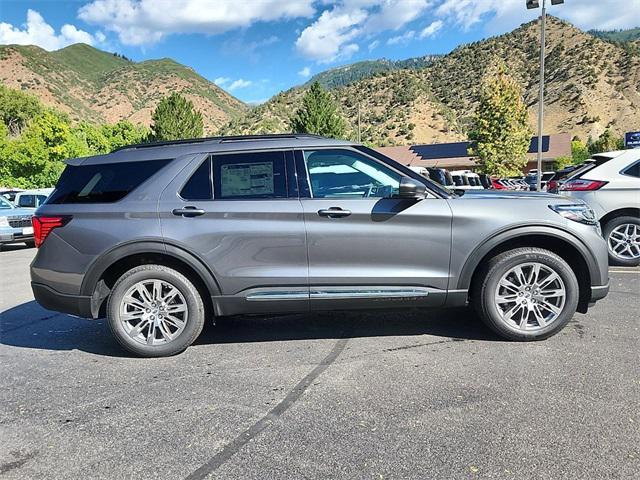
[28, 324]
[292, 397]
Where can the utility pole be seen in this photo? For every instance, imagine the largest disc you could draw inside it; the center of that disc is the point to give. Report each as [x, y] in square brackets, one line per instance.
[359, 131]
[543, 22]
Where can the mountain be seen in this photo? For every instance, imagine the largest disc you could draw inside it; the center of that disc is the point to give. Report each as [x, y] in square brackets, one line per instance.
[346, 74]
[98, 86]
[591, 85]
[628, 35]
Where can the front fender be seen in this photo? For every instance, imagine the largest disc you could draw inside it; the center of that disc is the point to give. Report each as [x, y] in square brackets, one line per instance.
[476, 256]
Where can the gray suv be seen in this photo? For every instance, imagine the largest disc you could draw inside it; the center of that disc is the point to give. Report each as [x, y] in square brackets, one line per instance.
[160, 237]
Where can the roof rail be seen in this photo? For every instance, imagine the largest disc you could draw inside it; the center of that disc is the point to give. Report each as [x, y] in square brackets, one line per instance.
[224, 139]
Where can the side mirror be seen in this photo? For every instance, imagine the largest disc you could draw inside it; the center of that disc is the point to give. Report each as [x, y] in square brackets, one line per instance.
[410, 188]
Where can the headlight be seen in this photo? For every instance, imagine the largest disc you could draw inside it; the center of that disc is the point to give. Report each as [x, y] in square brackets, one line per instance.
[578, 212]
[4, 222]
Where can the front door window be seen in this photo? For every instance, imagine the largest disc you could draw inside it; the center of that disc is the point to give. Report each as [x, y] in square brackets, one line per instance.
[346, 174]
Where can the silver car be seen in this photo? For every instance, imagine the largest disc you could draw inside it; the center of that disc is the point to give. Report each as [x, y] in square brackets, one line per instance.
[160, 237]
[15, 224]
[610, 184]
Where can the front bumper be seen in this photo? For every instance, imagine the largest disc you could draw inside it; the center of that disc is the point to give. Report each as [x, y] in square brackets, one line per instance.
[14, 235]
[51, 299]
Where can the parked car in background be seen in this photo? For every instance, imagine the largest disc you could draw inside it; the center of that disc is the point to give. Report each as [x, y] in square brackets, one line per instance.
[32, 198]
[466, 180]
[441, 176]
[10, 193]
[532, 179]
[15, 224]
[611, 186]
[561, 176]
[297, 223]
[485, 181]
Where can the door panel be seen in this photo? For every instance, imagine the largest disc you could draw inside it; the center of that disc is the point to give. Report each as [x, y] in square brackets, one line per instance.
[361, 242]
[257, 242]
[382, 242]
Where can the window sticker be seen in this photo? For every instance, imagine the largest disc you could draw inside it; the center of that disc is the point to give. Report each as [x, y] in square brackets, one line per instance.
[247, 179]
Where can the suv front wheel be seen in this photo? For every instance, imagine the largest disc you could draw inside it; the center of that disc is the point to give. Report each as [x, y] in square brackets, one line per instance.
[526, 294]
[155, 311]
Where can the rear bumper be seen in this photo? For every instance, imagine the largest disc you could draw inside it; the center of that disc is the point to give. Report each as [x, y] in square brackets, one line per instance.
[51, 299]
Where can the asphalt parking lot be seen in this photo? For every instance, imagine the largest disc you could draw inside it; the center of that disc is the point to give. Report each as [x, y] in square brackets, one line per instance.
[393, 395]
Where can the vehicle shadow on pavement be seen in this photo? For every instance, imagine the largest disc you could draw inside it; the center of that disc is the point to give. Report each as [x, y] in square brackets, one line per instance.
[30, 326]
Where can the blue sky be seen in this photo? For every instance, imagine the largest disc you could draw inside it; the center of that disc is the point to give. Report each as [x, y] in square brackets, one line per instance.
[256, 48]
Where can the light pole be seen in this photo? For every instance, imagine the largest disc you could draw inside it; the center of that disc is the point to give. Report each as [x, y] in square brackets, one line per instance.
[531, 4]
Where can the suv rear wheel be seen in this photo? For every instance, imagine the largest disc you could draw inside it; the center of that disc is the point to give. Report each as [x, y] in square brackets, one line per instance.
[623, 241]
[155, 311]
[526, 294]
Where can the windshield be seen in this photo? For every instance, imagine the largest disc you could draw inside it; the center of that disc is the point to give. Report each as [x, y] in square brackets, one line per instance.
[4, 203]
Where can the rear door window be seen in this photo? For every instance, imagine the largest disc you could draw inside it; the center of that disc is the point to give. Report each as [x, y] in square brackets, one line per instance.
[250, 175]
[102, 183]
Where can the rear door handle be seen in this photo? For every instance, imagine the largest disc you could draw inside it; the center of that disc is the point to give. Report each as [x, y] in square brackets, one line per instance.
[334, 212]
[188, 212]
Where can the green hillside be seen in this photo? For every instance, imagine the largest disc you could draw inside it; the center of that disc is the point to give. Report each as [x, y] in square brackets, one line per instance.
[99, 86]
[346, 74]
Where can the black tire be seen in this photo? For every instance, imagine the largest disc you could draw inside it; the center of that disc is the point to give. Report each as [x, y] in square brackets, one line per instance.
[193, 300]
[30, 243]
[608, 228]
[486, 283]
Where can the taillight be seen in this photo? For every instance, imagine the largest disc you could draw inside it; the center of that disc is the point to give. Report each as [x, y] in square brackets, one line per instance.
[43, 226]
[582, 185]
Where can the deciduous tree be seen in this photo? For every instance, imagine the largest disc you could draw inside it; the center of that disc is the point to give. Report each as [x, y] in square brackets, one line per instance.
[500, 133]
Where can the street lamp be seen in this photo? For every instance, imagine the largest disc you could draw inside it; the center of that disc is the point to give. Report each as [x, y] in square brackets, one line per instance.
[531, 4]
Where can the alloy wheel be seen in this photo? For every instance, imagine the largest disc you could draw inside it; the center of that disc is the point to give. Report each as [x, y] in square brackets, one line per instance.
[530, 296]
[153, 312]
[624, 241]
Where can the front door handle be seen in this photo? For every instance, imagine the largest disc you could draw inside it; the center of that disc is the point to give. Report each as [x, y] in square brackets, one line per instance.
[334, 212]
[188, 212]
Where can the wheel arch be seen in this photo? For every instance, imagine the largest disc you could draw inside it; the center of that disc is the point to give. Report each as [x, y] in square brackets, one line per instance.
[620, 212]
[562, 243]
[106, 269]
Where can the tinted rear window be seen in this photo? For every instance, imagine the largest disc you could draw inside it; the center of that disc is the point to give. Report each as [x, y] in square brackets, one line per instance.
[102, 183]
[633, 170]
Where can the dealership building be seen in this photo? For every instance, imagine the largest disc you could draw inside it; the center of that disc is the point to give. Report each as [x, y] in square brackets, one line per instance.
[455, 156]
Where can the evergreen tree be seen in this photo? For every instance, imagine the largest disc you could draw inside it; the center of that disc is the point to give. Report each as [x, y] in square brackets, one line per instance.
[500, 134]
[175, 118]
[319, 114]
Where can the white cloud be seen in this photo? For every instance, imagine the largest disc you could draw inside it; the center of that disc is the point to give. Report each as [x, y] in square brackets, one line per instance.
[373, 45]
[38, 32]
[431, 29]
[220, 81]
[305, 72]
[402, 39]
[334, 34]
[507, 14]
[144, 22]
[329, 37]
[240, 83]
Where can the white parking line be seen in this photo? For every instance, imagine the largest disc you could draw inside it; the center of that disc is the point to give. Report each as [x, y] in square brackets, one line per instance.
[625, 271]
